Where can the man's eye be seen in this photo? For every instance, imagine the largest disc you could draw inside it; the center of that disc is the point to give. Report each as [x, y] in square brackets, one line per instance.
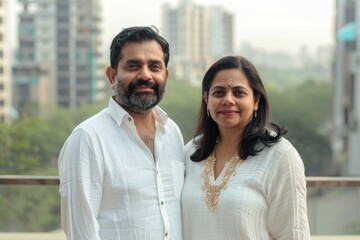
[155, 67]
[132, 66]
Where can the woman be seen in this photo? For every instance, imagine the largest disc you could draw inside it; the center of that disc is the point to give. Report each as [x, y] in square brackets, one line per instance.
[243, 179]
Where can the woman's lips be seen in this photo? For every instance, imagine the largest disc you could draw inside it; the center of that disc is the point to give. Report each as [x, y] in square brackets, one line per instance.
[228, 112]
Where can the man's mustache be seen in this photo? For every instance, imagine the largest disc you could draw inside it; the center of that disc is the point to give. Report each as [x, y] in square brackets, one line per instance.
[140, 82]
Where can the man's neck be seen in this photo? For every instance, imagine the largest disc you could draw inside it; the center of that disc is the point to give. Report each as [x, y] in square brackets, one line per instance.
[145, 126]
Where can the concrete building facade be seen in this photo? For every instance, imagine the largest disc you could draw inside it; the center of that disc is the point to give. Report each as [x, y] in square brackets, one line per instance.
[198, 35]
[59, 57]
[5, 73]
[346, 100]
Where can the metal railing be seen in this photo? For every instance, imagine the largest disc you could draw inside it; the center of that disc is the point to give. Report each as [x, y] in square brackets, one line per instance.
[28, 180]
[326, 181]
[311, 181]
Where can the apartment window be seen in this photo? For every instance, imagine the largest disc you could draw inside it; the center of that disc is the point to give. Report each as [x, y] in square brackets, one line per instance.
[63, 6]
[63, 32]
[81, 68]
[2, 102]
[63, 56]
[63, 43]
[63, 19]
[1, 70]
[1, 86]
[81, 44]
[26, 19]
[1, 54]
[63, 80]
[63, 92]
[351, 91]
[63, 68]
[44, 6]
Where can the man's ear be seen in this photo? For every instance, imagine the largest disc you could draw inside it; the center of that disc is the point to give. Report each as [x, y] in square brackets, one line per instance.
[167, 74]
[111, 75]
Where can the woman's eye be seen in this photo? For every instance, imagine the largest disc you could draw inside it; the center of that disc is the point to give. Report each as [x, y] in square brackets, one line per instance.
[218, 93]
[239, 93]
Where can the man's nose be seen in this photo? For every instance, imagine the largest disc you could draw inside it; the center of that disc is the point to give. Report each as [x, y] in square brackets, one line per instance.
[144, 74]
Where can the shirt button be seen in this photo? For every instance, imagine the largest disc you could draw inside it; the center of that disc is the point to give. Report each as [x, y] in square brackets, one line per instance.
[166, 234]
[129, 118]
[162, 202]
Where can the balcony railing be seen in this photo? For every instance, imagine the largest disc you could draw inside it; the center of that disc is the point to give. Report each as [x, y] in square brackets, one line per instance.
[54, 180]
[312, 182]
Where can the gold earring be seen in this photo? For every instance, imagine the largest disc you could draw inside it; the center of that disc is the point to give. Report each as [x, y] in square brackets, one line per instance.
[255, 113]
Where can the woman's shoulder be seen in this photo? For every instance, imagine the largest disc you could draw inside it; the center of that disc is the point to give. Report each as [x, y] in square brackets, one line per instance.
[281, 149]
[190, 148]
[284, 153]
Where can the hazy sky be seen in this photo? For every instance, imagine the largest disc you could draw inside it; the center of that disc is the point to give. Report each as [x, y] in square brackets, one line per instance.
[268, 24]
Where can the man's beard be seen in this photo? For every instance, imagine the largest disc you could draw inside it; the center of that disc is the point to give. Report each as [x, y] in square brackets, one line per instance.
[139, 102]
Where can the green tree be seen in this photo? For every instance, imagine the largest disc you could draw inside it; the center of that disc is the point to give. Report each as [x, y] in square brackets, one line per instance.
[305, 110]
[182, 102]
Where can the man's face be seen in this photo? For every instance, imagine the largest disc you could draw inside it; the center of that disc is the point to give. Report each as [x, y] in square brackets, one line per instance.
[141, 75]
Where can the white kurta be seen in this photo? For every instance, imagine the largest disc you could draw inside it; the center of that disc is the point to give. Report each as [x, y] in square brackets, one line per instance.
[113, 188]
[265, 200]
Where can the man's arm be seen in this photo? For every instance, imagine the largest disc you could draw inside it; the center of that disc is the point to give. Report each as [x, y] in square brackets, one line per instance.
[81, 179]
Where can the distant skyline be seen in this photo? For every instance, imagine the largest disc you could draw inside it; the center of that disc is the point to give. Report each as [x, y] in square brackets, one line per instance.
[271, 25]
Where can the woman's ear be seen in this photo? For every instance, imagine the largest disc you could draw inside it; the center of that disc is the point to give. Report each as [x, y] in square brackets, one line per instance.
[111, 75]
[256, 102]
[205, 97]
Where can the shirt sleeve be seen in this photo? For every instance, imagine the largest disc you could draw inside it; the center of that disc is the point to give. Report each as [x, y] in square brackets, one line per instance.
[81, 183]
[286, 196]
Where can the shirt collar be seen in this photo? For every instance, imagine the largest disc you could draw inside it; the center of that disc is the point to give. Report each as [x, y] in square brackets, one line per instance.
[119, 114]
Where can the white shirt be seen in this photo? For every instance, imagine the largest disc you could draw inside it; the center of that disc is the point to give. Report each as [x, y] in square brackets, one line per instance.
[265, 200]
[111, 186]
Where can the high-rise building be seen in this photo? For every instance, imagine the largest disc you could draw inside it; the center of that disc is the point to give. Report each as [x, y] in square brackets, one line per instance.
[346, 99]
[198, 35]
[5, 87]
[59, 57]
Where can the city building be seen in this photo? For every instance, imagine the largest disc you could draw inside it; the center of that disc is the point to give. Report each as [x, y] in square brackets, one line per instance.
[346, 99]
[5, 74]
[59, 58]
[198, 35]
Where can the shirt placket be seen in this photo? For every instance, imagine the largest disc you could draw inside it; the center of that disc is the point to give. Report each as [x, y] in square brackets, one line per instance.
[162, 204]
[160, 190]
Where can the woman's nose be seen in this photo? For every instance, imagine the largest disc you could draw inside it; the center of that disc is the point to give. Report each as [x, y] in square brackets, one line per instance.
[228, 99]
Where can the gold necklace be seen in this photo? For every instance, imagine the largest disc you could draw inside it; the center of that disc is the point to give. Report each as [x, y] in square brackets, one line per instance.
[212, 190]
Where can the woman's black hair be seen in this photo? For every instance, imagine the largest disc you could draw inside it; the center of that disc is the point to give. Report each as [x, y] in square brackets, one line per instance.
[259, 130]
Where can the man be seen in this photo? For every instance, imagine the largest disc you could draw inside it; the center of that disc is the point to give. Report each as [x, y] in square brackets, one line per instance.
[121, 171]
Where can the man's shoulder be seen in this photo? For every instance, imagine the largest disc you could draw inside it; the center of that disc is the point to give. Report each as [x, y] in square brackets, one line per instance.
[94, 120]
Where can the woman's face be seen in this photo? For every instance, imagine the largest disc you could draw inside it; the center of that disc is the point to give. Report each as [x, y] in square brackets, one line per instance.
[230, 100]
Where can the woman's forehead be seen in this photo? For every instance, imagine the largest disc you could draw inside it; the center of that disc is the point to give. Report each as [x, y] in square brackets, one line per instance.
[229, 78]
